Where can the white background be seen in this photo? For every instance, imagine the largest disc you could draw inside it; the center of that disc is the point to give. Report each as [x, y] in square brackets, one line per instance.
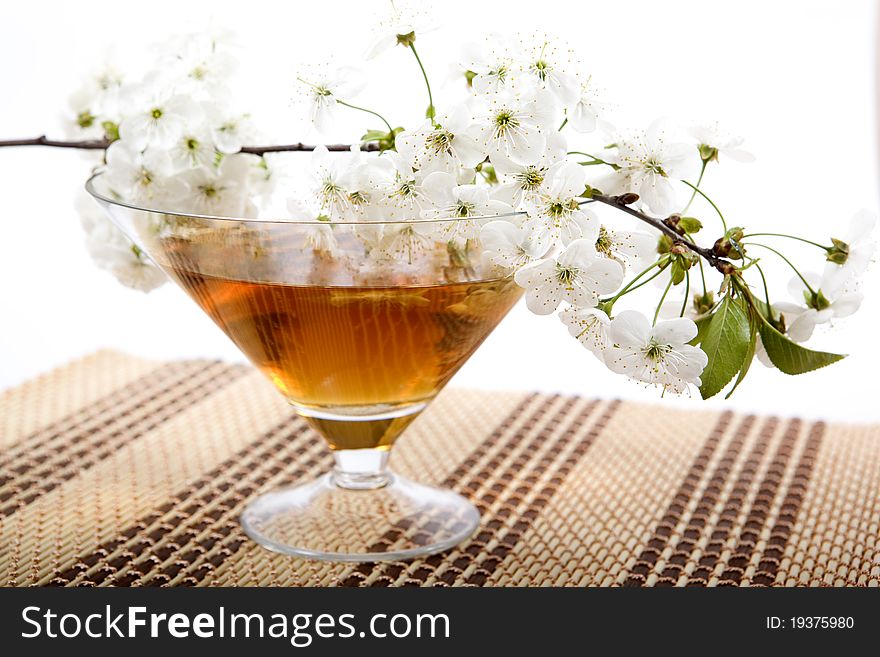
[795, 78]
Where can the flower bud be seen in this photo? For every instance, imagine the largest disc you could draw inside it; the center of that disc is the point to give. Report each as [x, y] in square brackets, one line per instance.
[85, 119]
[722, 247]
[682, 259]
[703, 303]
[727, 268]
[729, 246]
[672, 222]
[628, 199]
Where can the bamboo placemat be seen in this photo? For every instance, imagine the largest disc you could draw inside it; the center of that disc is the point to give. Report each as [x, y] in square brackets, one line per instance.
[116, 471]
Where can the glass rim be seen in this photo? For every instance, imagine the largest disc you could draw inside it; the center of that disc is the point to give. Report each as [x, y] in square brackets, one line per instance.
[90, 188]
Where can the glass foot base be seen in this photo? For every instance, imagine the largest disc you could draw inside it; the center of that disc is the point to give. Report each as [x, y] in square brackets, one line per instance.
[322, 520]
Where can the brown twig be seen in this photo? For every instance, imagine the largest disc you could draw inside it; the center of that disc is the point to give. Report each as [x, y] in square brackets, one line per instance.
[102, 144]
[290, 148]
[623, 202]
[42, 140]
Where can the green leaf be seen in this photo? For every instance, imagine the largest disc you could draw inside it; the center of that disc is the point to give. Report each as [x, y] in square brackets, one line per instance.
[790, 357]
[702, 326]
[677, 272]
[726, 343]
[384, 140]
[374, 135]
[489, 174]
[754, 324]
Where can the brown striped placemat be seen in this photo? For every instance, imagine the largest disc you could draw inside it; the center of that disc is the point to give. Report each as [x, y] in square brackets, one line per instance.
[117, 471]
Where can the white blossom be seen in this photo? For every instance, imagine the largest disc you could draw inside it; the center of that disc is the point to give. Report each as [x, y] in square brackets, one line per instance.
[192, 149]
[514, 126]
[112, 251]
[648, 162]
[544, 65]
[204, 63]
[316, 236]
[860, 249]
[712, 137]
[140, 177]
[157, 116]
[577, 276]
[519, 179]
[555, 210]
[230, 131]
[267, 175]
[834, 298]
[218, 190]
[401, 27]
[332, 175]
[94, 103]
[444, 147]
[324, 91]
[402, 241]
[632, 248]
[364, 179]
[493, 64]
[507, 246]
[451, 200]
[403, 194]
[590, 327]
[658, 355]
[583, 111]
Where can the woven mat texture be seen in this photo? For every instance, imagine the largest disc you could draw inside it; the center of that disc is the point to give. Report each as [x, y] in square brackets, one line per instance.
[117, 471]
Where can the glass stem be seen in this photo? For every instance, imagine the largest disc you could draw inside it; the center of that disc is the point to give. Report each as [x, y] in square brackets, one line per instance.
[361, 469]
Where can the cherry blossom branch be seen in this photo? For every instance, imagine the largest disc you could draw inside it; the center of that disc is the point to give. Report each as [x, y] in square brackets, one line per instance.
[42, 140]
[103, 144]
[301, 147]
[623, 202]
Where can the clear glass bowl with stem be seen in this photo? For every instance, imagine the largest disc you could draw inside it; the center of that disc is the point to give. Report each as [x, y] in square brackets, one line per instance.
[359, 326]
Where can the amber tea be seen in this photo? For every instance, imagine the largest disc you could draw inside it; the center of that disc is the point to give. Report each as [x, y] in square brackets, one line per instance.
[355, 351]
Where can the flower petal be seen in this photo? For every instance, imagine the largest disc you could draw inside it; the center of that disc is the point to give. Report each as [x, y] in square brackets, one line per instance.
[847, 304]
[630, 329]
[675, 331]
